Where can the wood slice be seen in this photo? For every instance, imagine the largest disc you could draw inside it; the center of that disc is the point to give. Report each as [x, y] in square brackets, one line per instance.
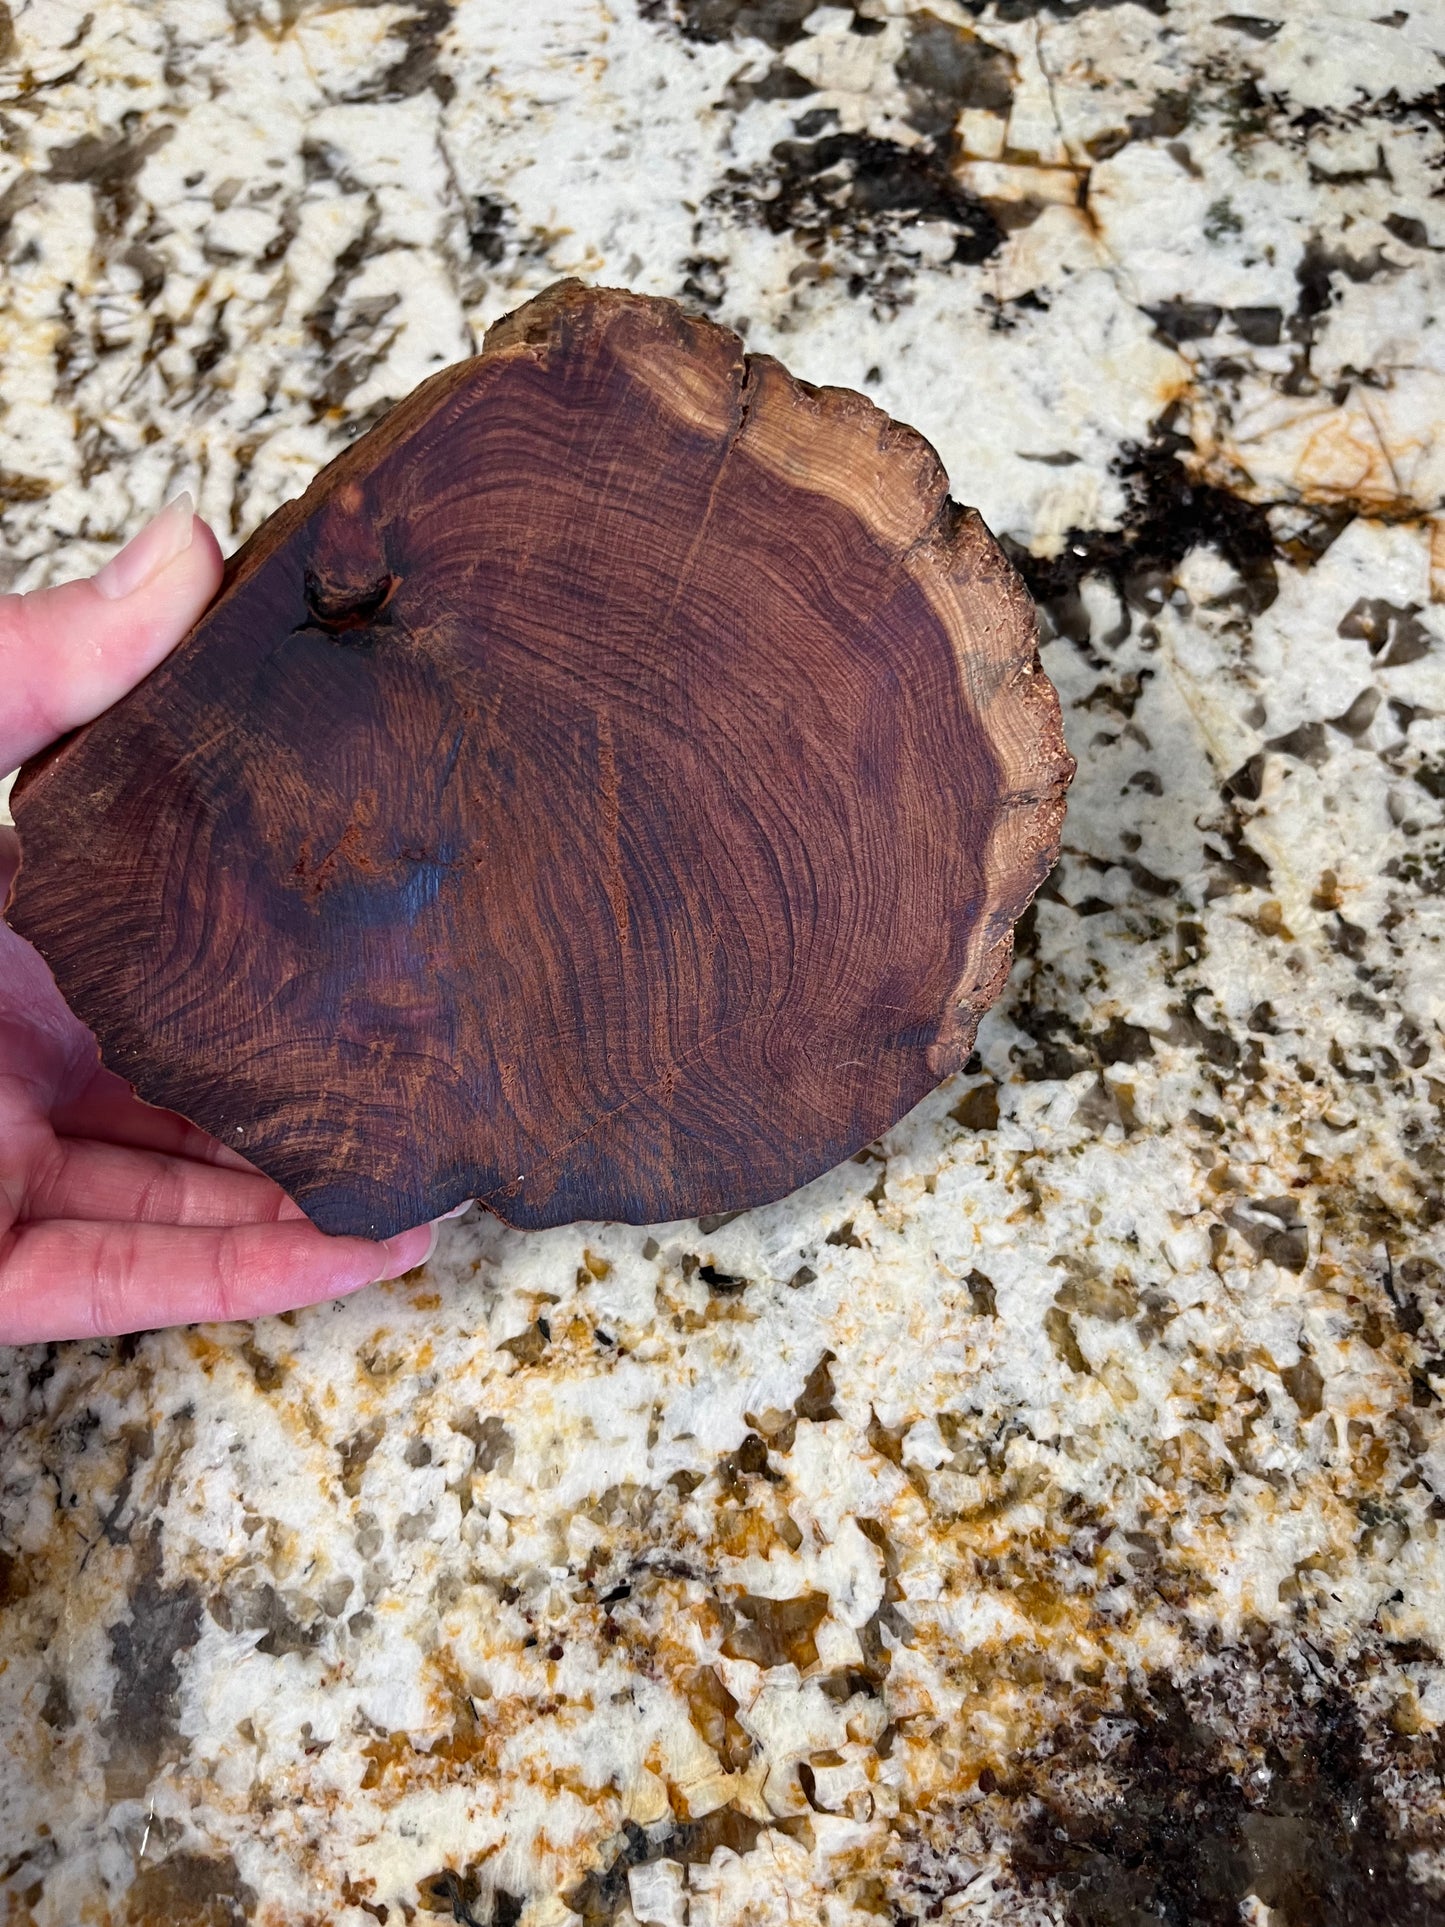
[608, 792]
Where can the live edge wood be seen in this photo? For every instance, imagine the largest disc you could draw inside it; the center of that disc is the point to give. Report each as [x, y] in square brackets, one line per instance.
[608, 792]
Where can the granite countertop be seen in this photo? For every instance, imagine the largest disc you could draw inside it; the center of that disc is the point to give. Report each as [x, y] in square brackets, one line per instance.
[1042, 1517]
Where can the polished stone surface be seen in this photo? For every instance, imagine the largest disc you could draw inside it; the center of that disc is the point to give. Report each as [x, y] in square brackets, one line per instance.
[1039, 1518]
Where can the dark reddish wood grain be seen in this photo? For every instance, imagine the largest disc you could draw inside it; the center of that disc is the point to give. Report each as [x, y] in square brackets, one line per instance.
[608, 792]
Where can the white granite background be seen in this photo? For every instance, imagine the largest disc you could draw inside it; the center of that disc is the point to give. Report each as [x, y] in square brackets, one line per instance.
[1040, 1518]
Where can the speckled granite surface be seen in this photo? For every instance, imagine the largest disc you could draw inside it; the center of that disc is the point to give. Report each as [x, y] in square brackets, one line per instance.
[1040, 1518]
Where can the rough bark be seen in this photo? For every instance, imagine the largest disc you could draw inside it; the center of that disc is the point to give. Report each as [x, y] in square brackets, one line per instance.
[609, 792]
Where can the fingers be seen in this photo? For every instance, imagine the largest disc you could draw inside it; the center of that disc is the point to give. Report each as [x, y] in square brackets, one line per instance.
[69, 652]
[80, 1178]
[107, 1108]
[64, 1279]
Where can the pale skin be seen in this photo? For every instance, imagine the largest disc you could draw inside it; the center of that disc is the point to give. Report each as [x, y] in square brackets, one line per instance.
[115, 1216]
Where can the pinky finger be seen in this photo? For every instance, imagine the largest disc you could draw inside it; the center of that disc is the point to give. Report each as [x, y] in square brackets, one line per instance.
[69, 1279]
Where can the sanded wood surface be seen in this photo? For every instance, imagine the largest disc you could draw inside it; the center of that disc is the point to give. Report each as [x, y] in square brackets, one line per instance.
[608, 792]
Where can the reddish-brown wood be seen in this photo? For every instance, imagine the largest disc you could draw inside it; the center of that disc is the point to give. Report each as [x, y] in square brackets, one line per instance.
[608, 791]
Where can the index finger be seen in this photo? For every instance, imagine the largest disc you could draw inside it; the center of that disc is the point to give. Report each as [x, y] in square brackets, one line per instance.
[68, 1279]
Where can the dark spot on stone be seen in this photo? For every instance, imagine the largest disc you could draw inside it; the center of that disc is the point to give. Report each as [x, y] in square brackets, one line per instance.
[977, 1109]
[804, 1275]
[1389, 629]
[1179, 321]
[14, 1579]
[207, 353]
[190, 1890]
[1352, 177]
[1166, 1831]
[56, 1710]
[1355, 721]
[1406, 715]
[266, 1372]
[487, 226]
[164, 1622]
[1064, 1340]
[851, 196]
[749, 1461]
[601, 1897]
[815, 1401]
[715, 1220]
[1416, 1277]
[1167, 118]
[1249, 23]
[108, 163]
[780, 82]
[776, 1632]
[1314, 276]
[491, 1440]
[15, 487]
[1347, 938]
[817, 121]
[845, 1235]
[704, 281]
[354, 1454]
[982, 1296]
[1188, 1028]
[724, 1283]
[1273, 1229]
[1239, 864]
[1406, 228]
[248, 1607]
[1016, 10]
[1305, 531]
[419, 65]
[1062, 1047]
[139, 1445]
[460, 1894]
[528, 1347]
[778, 22]
[1121, 1042]
[1167, 514]
[1305, 1385]
[1259, 326]
[945, 68]
[1245, 783]
[1306, 744]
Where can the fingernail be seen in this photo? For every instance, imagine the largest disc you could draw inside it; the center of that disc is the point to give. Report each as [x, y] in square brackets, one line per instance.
[145, 555]
[455, 1212]
[407, 1250]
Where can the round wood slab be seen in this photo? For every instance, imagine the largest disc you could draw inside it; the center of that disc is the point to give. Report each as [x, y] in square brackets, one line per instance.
[608, 792]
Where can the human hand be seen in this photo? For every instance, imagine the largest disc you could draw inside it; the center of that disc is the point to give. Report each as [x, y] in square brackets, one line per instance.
[115, 1216]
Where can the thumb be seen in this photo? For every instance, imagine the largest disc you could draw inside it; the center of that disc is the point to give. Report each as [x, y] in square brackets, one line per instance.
[70, 652]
